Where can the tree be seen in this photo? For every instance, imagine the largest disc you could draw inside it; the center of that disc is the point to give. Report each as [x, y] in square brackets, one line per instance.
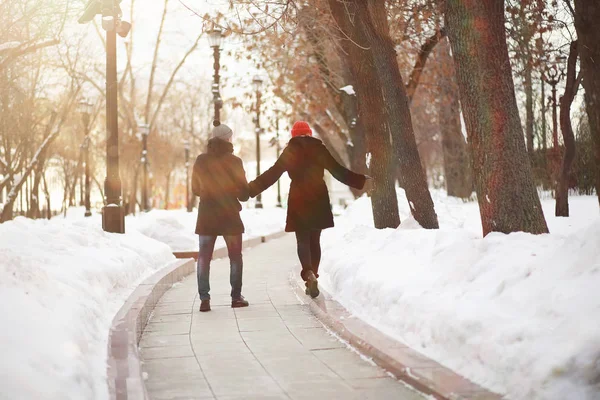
[372, 21]
[562, 187]
[527, 21]
[457, 174]
[587, 15]
[508, 200]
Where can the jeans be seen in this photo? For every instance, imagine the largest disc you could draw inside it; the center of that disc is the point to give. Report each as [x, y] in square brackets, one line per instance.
[309, 251]
[234, 248]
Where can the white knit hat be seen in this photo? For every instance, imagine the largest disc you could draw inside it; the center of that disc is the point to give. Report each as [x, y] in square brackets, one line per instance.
[221, 131]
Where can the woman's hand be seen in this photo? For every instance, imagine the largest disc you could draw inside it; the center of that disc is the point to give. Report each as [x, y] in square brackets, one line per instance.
[252, 190]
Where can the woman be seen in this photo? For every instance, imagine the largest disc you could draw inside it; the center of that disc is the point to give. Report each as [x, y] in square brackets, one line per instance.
[305, 158]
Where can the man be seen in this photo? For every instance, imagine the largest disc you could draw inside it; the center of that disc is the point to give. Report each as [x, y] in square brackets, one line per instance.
[220, 182]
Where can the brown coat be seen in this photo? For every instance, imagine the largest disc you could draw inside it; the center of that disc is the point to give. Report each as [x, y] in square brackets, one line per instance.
[305, 159]
[220, 182]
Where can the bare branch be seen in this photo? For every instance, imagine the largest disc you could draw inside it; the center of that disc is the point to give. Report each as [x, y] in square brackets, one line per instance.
[172, 79]
[154, 62]
[426, 49]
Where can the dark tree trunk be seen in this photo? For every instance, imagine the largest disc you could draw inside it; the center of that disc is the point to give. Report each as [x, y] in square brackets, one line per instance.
[508, 200]
[371, 109]
[587, 15]
[562, 187]
[528, 86]
[34, 209]
[357, 149]
[457, 173]
[371, 19]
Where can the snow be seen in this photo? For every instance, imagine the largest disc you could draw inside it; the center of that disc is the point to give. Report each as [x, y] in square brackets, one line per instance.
[516, 313]
[176, 227]
[349, 89]
[61, 283]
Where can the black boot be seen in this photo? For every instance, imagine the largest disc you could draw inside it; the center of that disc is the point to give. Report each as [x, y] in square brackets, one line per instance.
[239, 302]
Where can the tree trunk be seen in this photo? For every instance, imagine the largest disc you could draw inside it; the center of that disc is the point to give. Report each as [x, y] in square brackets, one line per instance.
[357, 150]
[371, 19]
[587, 15]
[528, 86]
[47, 194]
[508, 200]
[457, 174]
[6, 213]
[371, 108]
[562, 187]
[167, 190]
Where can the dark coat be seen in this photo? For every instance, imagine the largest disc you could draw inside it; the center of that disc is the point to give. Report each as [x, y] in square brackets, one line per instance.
[220, 182]
[305, 159]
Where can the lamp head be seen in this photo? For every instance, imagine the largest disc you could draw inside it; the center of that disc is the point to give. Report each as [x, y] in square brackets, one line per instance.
[215, 37]
[144, 129]
[257, 82]
[85, 107]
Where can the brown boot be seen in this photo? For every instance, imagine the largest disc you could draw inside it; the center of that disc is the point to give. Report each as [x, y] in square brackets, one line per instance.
[239, 302]
[312, 285]
[205, 305]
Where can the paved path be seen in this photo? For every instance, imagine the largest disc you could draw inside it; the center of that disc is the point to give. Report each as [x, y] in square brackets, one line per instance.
[274, 349]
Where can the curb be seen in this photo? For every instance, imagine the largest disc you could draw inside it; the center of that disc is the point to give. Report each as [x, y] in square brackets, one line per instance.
[124, 373]
[406, 364]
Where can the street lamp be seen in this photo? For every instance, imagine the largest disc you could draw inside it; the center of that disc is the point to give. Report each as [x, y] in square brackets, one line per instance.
[257, 84]
[86, 108]
[113, 217]
[554, 74]
[145, 131]
[215, 39]
[188, 203]
[553, 77]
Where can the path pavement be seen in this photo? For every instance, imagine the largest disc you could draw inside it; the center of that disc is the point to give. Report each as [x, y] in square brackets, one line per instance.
[274, 349]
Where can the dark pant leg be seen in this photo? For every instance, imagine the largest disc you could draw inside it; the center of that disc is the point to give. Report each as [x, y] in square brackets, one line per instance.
[315, 250]
[207, 246]
[304, 252]
[234, 248]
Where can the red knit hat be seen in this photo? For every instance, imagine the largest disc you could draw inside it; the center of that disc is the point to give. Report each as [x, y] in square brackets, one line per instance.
[301, 128]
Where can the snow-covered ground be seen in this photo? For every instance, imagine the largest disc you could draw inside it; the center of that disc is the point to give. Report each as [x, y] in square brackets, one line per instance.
[176, 227]
[518, 313]
[61, 283]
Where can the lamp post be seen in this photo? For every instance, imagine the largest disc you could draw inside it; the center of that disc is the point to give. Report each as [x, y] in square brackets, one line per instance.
[215, 39]
[553, 78]
[554, 74]
[278, 152]
[113, 218]
[257, 83]
[145, 131]
[188, 203]
[86, 109]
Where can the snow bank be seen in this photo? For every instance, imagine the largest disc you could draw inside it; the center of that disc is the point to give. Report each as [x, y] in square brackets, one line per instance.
[61, 283]
[516, 313]
[176, 227]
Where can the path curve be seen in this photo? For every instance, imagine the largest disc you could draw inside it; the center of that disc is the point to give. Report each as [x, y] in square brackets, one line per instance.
[274, 349]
